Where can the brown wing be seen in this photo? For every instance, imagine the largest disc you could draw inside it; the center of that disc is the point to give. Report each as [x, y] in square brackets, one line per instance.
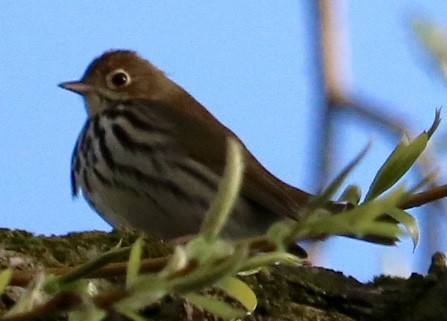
[205, 138]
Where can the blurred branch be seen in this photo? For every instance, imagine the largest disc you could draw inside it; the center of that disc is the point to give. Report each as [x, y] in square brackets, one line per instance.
[332, 64]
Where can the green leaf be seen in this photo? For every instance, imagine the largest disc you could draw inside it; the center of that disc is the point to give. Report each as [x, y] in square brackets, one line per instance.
[29, 298]
[228, 192]
[88, 312]
[434, 39]
[215, 306]
[85, 269]
[5, 277]
[83, 286]
[177, 261]
[400, 161]
[351, 194]
[134, 264]
[253, 263]
[240, 291]
[202, 250]
[408, 221]
[147, 289]
[279, 233]
[329, 191]
[432, 36]
[359, 221]
[208, 273]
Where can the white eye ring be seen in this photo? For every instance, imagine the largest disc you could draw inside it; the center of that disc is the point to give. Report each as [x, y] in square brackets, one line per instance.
[118, 78]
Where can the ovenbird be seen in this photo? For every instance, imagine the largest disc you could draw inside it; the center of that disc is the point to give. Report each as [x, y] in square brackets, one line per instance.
[150, 156]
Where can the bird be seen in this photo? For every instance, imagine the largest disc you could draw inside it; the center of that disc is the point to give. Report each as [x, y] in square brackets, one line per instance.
[150, 156]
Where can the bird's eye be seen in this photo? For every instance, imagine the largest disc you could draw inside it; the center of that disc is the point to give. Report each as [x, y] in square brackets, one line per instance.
[118, 79]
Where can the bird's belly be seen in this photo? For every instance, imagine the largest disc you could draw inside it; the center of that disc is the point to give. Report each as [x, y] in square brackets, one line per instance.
[126, 209]
[150, 185]
[166, 216]
[152, 209]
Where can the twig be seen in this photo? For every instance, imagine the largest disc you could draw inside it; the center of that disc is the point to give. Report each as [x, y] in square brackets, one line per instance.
[422, 198]
[62, 302]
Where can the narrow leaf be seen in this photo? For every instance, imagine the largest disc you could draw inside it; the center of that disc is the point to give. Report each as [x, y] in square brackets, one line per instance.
[359, 221]
[88, 312]
[28, 299]
[210, 272]
[134, 264]
[434, 39]
[252, 264]
[240, 291]
[336, 183]
[409, 223]
[5, 277]
[400, 161]
[229, 187]
[215, 306]
[351, 194]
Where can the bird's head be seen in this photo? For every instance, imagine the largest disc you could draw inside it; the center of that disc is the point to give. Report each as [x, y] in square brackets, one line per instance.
[120, 75]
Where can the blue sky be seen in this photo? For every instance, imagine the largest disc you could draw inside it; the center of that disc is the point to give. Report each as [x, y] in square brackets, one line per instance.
[249, 62]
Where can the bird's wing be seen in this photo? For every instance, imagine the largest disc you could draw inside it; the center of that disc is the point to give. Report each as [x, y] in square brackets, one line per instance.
[204, 138]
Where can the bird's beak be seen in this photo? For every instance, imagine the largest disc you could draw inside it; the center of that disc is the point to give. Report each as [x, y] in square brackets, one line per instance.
[78, 87]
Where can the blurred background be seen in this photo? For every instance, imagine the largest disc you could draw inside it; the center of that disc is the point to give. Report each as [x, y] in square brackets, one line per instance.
[272, 71]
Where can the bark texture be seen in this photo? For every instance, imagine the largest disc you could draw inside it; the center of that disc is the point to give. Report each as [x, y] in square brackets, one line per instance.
[283, 292]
